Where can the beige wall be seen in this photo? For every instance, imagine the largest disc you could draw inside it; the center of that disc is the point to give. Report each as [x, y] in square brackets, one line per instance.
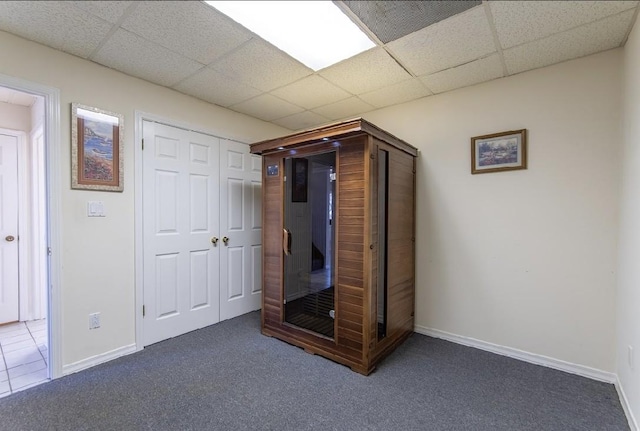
[628, 312]
[523, 259]
[98, 253]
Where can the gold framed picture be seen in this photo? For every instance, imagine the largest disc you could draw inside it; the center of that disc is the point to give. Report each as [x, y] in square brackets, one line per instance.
[96, 149]
[505, 151]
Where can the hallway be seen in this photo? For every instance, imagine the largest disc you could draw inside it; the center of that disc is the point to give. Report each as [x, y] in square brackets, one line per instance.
[23, 355]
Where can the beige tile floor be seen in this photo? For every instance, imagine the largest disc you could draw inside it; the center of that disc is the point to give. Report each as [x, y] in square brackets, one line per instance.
[23, 355]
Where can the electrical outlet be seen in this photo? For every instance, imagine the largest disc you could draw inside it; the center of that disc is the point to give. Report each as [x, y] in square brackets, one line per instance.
[94, 320]
[630, 357]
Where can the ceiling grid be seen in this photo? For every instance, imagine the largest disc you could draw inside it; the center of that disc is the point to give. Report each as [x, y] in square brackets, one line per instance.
[422, 48]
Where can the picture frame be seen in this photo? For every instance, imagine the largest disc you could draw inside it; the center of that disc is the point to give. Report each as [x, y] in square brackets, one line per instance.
[299, 175]
[97, 159]
[504, 151]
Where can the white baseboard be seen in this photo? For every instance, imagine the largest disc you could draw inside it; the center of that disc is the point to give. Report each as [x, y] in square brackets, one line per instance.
[533, 358]
[633, 424]
[97, 359]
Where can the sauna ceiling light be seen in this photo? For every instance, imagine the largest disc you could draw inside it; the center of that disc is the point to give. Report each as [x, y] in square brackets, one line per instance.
[316, 33]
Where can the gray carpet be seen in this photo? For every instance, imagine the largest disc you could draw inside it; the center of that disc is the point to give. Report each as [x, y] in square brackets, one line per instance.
[230, 377]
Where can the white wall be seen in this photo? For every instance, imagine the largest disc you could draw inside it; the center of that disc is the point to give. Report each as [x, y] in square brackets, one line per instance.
[37, 113]
[523, 259]
[98, 253]
[15, 117]
[628, 312]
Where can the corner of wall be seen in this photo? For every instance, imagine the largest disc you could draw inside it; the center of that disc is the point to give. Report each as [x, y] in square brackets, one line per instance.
[633, 424]
[628, 272]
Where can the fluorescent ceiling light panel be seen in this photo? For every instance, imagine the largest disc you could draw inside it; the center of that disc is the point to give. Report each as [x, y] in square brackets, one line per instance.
[316, 33]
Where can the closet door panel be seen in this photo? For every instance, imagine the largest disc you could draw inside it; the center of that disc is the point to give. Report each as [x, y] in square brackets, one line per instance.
[241, 206]
[180, 215]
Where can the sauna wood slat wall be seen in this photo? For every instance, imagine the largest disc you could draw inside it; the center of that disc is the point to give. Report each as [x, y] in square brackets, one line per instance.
[400, 237]
[356, 259]
[374, 253]
[400, 253]
[350, 245]
[272, 243]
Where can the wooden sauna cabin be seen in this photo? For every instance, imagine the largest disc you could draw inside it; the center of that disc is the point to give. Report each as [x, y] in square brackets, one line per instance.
[338, 241]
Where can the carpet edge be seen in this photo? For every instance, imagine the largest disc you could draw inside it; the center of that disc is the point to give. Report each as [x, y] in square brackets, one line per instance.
[533, 358]
[633, 424]
[91, 361]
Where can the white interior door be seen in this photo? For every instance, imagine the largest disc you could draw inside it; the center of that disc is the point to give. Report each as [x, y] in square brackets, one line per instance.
[181, 215]
[9, 289]
[241, 224]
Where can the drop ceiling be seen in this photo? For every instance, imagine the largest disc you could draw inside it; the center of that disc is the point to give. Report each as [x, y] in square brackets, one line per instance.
[423, 48]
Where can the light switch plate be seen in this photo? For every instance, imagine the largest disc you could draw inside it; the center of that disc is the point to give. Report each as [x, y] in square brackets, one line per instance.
[95, 209]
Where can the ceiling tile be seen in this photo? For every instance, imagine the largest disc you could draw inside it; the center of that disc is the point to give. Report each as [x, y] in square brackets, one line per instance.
[475, 72]
[390, 20]
[311, 92]
[55, 24]
[397, 93]
[452, 42]
[587, 39]
[110, 11]
[379, 68]
[344, 108]
[521, 22]
[190, 28]
[301, 121]
[136, 56]
[261, 65]
[84, 36]
[266, 107]
[216, 88]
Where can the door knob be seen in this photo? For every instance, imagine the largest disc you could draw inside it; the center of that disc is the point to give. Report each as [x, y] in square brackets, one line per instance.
[214, 240]
[225, 240]
[10, 238]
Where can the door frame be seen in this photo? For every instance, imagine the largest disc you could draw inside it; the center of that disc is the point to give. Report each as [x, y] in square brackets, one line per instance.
[37, 222]
[53, 175]
[140, 117]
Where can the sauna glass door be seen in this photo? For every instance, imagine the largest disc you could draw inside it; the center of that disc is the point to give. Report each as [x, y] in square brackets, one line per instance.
[309, 242]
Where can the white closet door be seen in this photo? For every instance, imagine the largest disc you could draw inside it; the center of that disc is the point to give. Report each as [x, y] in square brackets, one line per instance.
[181, 215]
[9, 291]
[241, 223]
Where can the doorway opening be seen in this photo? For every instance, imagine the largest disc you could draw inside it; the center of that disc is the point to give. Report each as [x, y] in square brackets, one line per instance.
[309, 276]
[24, 253]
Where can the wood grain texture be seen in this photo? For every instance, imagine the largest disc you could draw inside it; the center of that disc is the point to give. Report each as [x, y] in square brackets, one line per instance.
[341, 130]
[400, 251]
[356, 263]
[400, 239]
[350, 243]
[272, 262]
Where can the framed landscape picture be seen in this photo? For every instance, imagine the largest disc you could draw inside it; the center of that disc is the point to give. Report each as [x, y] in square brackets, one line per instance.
[96, 149]
[505, 151]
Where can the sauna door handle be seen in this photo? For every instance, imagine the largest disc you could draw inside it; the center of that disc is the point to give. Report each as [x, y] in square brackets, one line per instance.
[286, 241]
